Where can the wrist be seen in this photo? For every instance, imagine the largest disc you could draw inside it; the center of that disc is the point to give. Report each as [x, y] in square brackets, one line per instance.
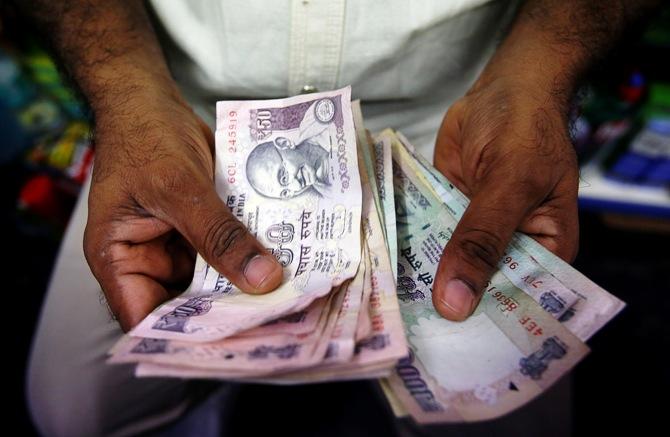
[534, 68]
[548, 49]
[108, 81]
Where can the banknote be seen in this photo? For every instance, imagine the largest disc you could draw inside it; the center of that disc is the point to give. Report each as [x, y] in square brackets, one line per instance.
[396, 405]
[504, 355]
[383, 171]
[594, 307]
[288, 170]
[300, 322]
[385, 314]
[367, 154]
[364, 322]
[373, 359]
[580, 304]
[343, 337]
[169, 371]
[248, 355]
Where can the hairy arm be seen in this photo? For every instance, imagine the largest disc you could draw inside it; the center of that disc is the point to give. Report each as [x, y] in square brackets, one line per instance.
[506, 142]
[152, 198]
[553, 42]
[108, 48]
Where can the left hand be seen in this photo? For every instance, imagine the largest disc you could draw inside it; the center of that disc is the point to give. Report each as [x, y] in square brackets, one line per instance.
[505, 144]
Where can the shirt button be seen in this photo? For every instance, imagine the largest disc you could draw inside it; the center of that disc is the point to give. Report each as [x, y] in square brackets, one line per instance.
[308, 89]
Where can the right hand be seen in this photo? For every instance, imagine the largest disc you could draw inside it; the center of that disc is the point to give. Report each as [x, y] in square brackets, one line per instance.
[506, 145]
[152, 201]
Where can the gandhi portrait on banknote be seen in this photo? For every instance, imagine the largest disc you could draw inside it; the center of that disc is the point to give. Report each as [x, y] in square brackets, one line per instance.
[281, 169]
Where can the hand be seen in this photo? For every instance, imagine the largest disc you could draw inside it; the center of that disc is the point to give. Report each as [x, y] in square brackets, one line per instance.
[506, 146]
[152, 200]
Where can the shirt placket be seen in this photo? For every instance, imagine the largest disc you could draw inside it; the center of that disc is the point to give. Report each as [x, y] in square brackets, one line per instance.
[317, 28]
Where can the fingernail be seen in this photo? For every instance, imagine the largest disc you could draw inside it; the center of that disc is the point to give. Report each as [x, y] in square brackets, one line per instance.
[259, 269]
[458, 297]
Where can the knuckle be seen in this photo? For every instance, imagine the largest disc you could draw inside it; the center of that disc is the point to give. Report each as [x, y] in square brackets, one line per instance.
[101, 256]
[88, 243]
[92, 249]
[170, 181]
[480, 248]
[534, 184]
[224, 235]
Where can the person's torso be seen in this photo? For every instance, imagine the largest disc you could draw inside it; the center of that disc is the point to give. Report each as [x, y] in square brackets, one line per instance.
[406, 59]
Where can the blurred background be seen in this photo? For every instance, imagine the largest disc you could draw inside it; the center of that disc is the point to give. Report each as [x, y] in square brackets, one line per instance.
[621, 132]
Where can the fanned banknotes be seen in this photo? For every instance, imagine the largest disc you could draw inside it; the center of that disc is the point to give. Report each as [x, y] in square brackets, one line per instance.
[505, 354]
[359, 224]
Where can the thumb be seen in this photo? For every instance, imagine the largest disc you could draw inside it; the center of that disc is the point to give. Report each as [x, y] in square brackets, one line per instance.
[476, 246]
[226, 244]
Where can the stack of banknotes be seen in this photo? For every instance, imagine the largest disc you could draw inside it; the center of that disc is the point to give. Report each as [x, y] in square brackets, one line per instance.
[358, 223]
